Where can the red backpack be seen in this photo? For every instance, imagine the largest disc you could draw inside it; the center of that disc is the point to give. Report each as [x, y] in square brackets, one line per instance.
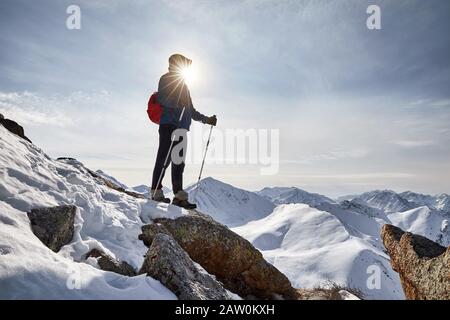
[154, 109]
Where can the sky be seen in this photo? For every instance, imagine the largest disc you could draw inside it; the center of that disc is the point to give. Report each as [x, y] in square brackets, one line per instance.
[355, 109]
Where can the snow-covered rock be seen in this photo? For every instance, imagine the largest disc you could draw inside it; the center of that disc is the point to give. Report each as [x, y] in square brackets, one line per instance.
[438, 202]
[385, 200]
[442, 202]
[111, 179]
[107, 219]
[145, 190]
[356, 206]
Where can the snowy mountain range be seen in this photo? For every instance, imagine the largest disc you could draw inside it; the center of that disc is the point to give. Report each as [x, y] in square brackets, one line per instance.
[314, 239]
[309, 237]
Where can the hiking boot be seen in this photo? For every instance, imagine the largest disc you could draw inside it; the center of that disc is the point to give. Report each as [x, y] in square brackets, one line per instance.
[184, 204]
[181, 200]
[159, 196]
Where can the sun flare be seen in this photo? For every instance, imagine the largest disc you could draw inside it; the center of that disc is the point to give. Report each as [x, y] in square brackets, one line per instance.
[189, 74]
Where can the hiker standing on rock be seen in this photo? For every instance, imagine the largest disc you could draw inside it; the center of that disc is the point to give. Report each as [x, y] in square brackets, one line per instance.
[177, 111]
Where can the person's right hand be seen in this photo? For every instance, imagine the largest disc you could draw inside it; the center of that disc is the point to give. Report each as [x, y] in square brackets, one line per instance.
[211, 120]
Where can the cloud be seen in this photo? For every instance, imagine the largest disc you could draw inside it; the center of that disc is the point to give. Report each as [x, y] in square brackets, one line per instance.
[36, 109]
[441, 103]
[29, 108]
[345, 176]
[430, 103]
[414, 143]
[330, 156]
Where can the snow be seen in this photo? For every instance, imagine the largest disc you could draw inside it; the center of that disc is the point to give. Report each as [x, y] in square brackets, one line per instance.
[437, 202]
[285, 195]
[145, 190]
[106, 219]
[429, 223]
[385, 200]
[314, 240]
[29, 270]
[313, 247]
[347, 295]
[227, 204]
[111, 179]
[309, 237]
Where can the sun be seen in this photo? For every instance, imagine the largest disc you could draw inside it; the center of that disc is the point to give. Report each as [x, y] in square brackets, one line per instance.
[189, 74]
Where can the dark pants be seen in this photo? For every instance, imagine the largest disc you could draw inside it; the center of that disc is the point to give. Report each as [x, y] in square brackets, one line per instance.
[165, 137]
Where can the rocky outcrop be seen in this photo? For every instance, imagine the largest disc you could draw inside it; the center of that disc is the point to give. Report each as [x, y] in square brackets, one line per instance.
[167, 262]
[423, 265]
[221, 252]
[13, 127]
[112, 185]
[54, 226]
[108, 263]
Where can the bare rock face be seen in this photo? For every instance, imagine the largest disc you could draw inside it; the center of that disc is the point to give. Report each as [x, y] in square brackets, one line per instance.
[13, 127]
[232, 259]
[423, 265]
[108, 263]
[167, 262]
[54, 226]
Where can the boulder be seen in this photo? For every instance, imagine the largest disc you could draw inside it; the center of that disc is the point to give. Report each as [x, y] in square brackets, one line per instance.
[13, 127]
[149, 231]
[423, 265]
[221, 252]
[108, 263]
[54, 226]
[167, 262]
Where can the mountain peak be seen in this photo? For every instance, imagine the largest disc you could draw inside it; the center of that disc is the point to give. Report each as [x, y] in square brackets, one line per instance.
[285, 195]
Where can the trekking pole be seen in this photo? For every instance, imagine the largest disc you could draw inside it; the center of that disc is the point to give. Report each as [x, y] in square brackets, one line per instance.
[167, 156]
[203, 163]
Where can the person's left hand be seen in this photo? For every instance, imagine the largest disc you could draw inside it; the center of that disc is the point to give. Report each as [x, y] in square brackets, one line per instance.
[211, 120]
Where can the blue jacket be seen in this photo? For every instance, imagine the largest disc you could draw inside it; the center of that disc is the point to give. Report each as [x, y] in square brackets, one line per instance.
[173, 95]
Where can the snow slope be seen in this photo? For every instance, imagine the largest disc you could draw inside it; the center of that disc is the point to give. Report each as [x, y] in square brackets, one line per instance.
[312, 246]
[285, 195]
[427, 222]
[227, 204]
[106, 219]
